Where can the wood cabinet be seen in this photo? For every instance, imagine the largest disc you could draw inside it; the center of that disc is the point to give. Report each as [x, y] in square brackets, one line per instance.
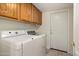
[30, 13]
[25, 12]
[11, 10]
[36, 15]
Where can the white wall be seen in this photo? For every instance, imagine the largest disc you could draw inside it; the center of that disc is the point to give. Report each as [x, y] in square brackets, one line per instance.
[9, 24]
[45, 28]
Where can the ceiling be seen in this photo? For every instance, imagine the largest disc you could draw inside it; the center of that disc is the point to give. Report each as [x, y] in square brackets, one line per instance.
[52, 6]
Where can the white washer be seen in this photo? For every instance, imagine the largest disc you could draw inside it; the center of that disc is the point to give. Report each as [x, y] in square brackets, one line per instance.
[22, 45]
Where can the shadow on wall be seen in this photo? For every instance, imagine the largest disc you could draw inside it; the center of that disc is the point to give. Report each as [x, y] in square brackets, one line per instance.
[8, 24]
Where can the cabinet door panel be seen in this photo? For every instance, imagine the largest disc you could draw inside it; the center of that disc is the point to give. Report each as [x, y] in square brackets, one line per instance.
[36, 15]
[10, 10]
[39, 17]
[3, 9]
[14, 10]
[26, 12]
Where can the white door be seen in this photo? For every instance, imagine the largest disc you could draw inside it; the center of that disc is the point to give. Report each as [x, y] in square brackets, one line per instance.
[59, 30]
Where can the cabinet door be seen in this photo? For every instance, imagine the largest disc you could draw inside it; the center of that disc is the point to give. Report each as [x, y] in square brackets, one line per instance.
[36, 15]
[14, 10]
[11, 10]
[26, 12]
[3, 9]
[39, 17]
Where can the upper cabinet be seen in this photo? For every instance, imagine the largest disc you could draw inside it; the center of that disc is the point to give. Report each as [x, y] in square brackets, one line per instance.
[10, 10]
[25, 12]
[36, 15]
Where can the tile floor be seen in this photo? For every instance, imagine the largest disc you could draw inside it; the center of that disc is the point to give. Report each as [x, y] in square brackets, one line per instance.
[52, 52]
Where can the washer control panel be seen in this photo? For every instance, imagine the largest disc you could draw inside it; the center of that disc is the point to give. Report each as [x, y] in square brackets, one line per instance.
[12, 33]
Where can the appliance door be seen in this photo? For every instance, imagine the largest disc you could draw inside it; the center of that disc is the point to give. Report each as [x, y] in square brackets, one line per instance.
[29, 48]
[9, 49]
[35, 47]
[4, 48]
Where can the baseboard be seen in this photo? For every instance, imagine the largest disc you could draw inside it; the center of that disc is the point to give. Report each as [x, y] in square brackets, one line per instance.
[59, 50]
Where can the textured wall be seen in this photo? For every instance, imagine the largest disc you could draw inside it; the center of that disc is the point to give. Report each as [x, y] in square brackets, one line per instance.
[9, 24]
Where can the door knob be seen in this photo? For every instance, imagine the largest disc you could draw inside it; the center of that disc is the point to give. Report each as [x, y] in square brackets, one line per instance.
[73, 43]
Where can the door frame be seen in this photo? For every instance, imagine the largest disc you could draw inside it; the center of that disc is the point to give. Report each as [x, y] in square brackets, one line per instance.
[68, 24]
[75, 30]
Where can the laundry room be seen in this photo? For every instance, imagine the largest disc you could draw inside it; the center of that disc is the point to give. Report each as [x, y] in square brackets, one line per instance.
[36, 29]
